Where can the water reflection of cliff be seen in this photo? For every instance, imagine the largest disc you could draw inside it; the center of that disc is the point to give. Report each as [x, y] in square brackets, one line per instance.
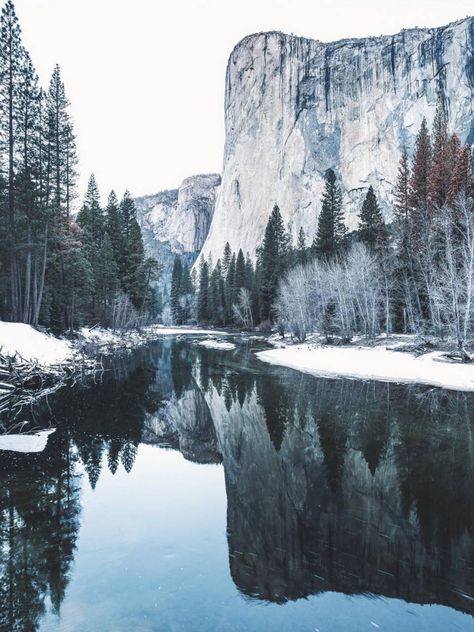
[182, 420]
[346, 486]
[331, 485]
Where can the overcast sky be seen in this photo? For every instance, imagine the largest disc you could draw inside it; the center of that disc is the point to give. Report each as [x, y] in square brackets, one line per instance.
[146, 77]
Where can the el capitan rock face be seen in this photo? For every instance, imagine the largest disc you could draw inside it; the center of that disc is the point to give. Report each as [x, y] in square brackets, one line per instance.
[295, 107]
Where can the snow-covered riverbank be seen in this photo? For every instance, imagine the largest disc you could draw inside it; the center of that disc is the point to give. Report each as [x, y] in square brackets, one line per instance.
[32, 345]
[374, 363]
[18, 339]
[107, 340]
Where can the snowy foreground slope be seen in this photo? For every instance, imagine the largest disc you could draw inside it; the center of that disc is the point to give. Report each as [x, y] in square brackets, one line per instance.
[295, 107]
[376, 363]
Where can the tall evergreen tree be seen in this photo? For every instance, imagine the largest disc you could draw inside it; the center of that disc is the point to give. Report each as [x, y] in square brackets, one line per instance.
[176, 291]
[301, 251]
[203, 295]
[91, 217]
[62, 158]
[439, 174]
[330, 237]
[371, 222]
[460, 175]
[133, 257]
[92, 222]
[113, 226]
[419, 180]
[11, 64]
[273, 261]
[226, 259]
[402, 189]
[239, 271]
[230, 288]
[215, 303]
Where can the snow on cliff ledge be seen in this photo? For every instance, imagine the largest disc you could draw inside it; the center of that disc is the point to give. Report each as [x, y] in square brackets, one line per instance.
[32, 345]
[295, 107]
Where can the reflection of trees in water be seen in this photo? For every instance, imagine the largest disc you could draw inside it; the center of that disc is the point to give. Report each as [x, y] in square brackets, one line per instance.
[40, 493]
[348, 486]
[39, 522]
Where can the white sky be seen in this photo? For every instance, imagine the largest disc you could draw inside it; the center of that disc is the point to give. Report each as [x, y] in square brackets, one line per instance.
[146, 78]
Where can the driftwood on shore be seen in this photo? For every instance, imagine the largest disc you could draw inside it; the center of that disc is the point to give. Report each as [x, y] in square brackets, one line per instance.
[23, 382]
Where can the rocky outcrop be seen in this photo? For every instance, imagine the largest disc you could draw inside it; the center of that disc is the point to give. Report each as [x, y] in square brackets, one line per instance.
[179, 219]
[295, 107]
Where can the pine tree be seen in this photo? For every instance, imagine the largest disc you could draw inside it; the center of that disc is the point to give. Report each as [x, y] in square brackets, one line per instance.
[62, 159]
[419, 181]
[460, 176]
[402, 189]
[11, 62]
[148, 271]
[113, 226]
[301, 248]
[226, 259]
[230, 288]
[273, 261]
[240, 271]
[30, 214]
[371, 222]
[130, 265]
[175, 292]
[59, 192]
[203, 296]
[215, 305]
[330, 237]
[91, 217]
[439, 175]
[92, 222]
[221, 304]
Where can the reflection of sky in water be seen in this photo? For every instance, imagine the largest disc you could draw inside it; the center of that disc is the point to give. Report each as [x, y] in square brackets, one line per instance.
[152, 555]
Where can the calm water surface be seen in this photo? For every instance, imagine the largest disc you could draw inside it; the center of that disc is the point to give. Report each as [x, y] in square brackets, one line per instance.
[198, 489]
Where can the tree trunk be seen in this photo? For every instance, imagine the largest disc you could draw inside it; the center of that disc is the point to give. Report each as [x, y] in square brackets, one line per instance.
[27, 289]
[39, 297]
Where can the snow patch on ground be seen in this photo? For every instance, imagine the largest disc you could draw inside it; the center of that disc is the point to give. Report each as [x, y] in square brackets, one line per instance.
[107, 338]
[376, 363]
[33, 345]
[26, 443]
[217, 344]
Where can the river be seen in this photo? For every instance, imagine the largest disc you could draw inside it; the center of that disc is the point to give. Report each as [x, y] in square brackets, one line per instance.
[199, 489]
